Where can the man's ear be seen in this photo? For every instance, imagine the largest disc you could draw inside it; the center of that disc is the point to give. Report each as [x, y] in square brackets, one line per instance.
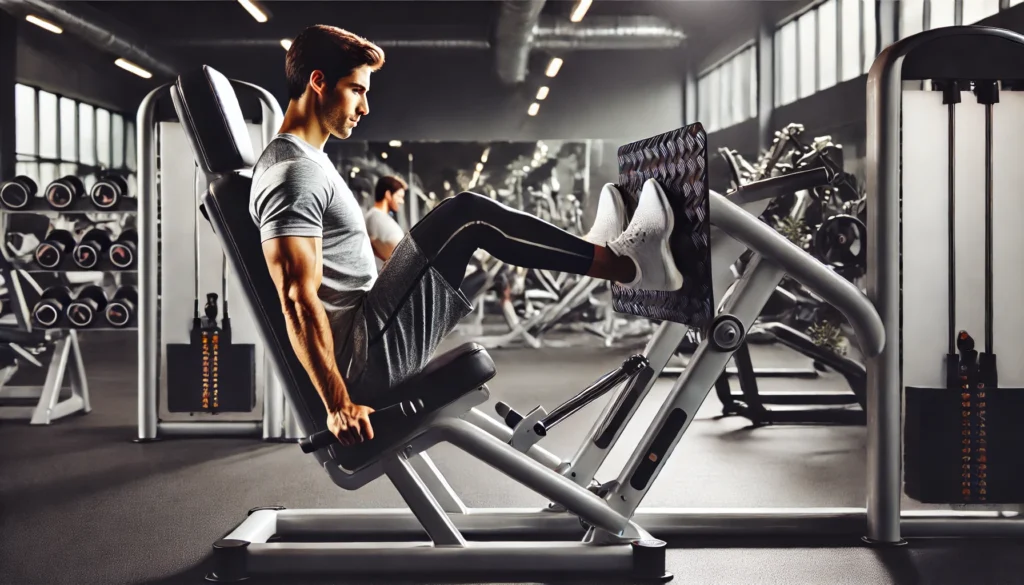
[316, 82]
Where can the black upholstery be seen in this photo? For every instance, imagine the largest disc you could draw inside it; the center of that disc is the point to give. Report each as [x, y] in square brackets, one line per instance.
[445, 379]
[218, 133]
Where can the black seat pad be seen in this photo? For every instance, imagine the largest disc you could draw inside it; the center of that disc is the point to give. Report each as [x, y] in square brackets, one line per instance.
[446, 379]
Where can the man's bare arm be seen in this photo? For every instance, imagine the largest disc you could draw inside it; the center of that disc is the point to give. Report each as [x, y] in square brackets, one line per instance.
[296, 266]
[383, 250]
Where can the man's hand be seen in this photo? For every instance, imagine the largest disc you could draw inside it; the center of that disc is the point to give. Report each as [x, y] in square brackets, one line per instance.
[351, 424]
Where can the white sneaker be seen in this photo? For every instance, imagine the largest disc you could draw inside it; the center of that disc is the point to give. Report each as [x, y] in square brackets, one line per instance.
[610, 221]
[646, 242]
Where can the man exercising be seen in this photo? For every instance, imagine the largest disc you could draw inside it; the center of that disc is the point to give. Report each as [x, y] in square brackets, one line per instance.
[384, 231]
[358, 333]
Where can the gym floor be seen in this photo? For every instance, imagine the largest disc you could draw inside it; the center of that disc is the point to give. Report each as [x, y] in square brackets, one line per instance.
[81, 504]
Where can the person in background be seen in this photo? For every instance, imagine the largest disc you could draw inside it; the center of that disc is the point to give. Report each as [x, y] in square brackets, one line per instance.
[384, 231]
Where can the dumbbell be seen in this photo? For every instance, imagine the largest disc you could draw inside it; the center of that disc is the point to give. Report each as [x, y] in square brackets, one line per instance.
[108, 191]
[50, 308]
[121, 307]
[18, 192]
[90, 248]
[122, 252]
[91, 301]
[51, 251]
[62, 193]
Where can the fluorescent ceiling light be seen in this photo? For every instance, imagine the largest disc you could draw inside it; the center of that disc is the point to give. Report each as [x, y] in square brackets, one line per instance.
[553, 67]
[395, 143]
[580, 9]
[257, 12]
[44, 24]
[133, 68]
[383, 155]
[543, 92]
[479, 167]
[286, 43]
[534, 108]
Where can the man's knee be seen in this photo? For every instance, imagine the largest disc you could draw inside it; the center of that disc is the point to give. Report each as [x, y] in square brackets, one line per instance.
[470, 205]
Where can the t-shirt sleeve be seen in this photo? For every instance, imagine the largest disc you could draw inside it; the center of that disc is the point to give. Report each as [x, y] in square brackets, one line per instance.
[290, 200]
[380, 227]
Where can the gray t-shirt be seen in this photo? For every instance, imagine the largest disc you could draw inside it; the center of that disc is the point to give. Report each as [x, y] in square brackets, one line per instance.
[296, 191]
[381, 227]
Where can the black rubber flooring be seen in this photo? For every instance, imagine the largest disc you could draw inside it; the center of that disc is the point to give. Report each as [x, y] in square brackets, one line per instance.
[81, 504]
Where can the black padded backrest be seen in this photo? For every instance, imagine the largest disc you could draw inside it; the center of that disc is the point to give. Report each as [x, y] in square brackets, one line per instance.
[227, 205]
[208, 108]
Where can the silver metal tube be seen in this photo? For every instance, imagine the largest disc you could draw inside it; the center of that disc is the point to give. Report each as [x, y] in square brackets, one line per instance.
[590, 456]
[211, 429]
[148, 199]
[523, 523]
[502, 432]
[428, 512]
[691, 389]
[258, 527]
[834, 289]
[607, 382]
[474, 441]
[781, 185]
[884, 391]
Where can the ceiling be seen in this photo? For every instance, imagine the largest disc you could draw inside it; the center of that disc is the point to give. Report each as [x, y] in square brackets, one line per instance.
[192, 32]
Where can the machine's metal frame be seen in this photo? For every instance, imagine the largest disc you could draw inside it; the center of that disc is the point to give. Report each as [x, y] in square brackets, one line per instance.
[277, 424]
[883, 280]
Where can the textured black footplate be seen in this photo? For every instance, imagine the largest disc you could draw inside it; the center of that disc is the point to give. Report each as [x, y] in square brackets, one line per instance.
[678, 161]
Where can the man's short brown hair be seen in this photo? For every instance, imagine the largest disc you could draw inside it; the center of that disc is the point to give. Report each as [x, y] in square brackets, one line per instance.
[330, 49]
[388, 183]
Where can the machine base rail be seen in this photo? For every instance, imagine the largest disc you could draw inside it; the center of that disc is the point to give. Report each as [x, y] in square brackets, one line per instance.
[526, 524]
[260, 546]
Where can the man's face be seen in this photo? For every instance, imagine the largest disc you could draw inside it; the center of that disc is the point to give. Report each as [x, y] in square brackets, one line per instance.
[396, 199]
[343, 105]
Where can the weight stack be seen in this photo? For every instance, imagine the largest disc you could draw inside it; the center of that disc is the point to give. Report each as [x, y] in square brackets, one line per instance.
[210, 376]
[935, 439]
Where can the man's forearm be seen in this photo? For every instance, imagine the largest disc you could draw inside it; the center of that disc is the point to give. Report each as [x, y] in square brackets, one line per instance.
[313, 342]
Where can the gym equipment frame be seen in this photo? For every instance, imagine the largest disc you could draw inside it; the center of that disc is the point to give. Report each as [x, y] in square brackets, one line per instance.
[960, 53]
[277, 422]
[613, 543]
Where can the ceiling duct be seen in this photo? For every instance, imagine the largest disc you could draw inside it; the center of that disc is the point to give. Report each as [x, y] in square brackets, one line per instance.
[513, 38]
[607, 32]
[99, 30]
[466, 43]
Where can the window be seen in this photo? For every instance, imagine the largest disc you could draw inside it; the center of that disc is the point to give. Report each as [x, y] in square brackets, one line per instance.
[975, 10]
[786, 64]
[942, 13]
[808, 71]
[703, 103]
[727, 94]
[129, 150]
[25, 126]
[715, 99]
[117, 140]
[86, 135]
[68, 130]
[1015, 2]
[911, 17]
[57, 136]
[850, 55]
[738, 91]
[869, 35]
[752, 60]
[48, 134]
[828, 46]
[103, 137]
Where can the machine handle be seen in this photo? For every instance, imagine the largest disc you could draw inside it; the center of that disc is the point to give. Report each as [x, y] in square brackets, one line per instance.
[391, 416]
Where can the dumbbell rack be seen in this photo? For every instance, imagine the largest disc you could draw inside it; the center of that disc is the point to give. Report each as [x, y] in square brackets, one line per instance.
[65, 358]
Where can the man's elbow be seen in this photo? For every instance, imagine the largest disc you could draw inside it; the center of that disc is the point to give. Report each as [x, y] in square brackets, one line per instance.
[296, 295]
